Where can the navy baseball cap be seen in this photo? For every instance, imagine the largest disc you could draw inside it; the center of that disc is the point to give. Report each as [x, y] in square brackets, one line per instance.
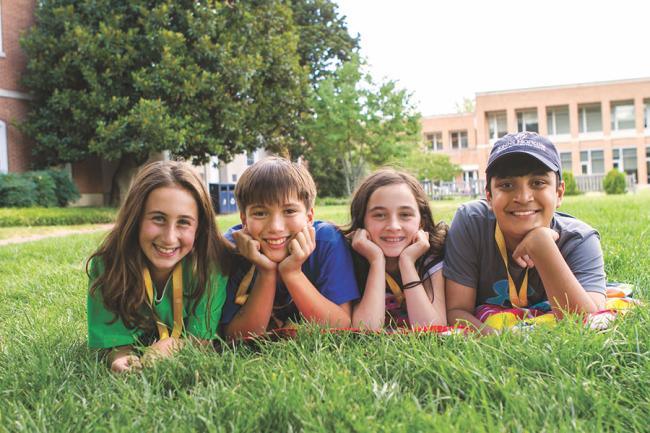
[528, 143]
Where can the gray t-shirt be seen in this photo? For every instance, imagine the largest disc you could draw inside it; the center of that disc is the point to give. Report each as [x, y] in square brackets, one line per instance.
[472, 257]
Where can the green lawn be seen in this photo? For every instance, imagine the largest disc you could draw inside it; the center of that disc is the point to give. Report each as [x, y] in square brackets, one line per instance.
[563, 379]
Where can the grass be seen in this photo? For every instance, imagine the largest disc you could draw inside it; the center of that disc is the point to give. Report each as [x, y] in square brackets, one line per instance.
[35, 216]
[563, 379]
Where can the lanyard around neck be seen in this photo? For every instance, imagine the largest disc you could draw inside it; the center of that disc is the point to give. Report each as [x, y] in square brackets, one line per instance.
[517, 299]
[394, 287]
[177, 305]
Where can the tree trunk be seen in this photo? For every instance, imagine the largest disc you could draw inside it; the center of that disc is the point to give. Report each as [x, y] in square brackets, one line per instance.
[126, 169]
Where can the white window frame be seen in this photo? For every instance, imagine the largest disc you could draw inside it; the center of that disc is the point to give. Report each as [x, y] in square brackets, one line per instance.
[460, 133]
[614, 120]
[621, 160]
[589, 163]
[552, 126]
[571, 161]
[525, 117]
[582, 120]
[646, 115]
[493, 123]
[4, 154]
[434, 141]
[617, 161]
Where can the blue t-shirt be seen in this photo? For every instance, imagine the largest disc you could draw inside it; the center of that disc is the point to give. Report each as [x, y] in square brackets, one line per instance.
[329, 268]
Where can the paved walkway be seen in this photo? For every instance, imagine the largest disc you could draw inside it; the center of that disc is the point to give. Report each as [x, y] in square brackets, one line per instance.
[57, 234]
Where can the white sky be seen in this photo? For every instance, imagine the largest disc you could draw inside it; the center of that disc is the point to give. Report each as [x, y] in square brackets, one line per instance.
[444, 50]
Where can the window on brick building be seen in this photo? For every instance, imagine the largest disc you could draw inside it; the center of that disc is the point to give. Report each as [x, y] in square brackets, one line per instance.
[527, 121]
[566, 161]
[590, 118]
[497, 124]
[4, 155]
[622, 115]
[624, 159]
[646, 114]
[592, 162]
[458, 139]
[434, 141]
[557, 120]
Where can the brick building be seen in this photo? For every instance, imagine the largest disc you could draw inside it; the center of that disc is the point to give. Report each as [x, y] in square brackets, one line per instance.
[596, 127]
[16, 16]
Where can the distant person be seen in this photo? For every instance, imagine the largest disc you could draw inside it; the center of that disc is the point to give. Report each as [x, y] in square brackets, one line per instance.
[398, 252]
[158, 275]
[513, 251]
[291, 267]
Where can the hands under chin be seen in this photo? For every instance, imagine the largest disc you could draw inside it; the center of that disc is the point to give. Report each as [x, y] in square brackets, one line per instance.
[362, 244]
[535, 241]
[419, 246]
[300, 248]
[250, 249]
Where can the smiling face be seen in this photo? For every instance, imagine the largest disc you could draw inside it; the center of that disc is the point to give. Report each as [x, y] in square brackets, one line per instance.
[392, 218]
[167, 229]
[522, 203]
[275, 225]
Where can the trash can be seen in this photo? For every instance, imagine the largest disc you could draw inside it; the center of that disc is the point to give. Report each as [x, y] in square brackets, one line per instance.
[223, 197]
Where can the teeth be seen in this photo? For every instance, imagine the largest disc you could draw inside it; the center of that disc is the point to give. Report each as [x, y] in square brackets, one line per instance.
[276, 241]
[393, 239]
[165, 250]
[524, 213]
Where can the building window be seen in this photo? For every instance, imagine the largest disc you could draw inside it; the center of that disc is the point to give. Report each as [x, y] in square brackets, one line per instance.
[646, 114]
[566, 161]
[250, 158]
[557, 120]
[592, 162]
[497, 124]
[622, 115]
[458, 139]
[527, 121]
[590, 118]
[4, 155]
[624, 159]
[434, 141]
[234, 178]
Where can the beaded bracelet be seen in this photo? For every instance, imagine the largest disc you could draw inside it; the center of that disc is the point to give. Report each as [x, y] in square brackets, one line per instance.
[412, 284]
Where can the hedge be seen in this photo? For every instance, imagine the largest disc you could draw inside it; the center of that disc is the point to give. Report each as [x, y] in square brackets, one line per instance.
[11, 217]
[44, 188]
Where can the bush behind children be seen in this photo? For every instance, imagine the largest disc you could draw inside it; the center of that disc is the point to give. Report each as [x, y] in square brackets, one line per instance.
[160, 274]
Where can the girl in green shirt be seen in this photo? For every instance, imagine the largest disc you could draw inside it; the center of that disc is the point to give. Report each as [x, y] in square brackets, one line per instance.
[160, 273]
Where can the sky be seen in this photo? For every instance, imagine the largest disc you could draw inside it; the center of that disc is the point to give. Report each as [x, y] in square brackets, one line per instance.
[446, 50]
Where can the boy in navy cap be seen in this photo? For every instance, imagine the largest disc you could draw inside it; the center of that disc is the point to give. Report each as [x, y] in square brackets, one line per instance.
[513, 250]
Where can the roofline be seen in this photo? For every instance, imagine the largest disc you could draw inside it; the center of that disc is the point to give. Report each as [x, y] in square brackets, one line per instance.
[439, 116]
[564, 86]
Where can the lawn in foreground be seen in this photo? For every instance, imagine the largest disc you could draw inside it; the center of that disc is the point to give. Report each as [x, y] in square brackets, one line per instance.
[561, 379]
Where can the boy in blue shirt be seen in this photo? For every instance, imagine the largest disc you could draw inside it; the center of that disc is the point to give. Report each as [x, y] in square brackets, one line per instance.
[514, 250]
[291, 266]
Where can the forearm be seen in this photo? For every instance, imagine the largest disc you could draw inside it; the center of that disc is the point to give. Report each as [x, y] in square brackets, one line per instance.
[563, 290]
[253, 317]
[313, 306]
[457, 316]
[423, 311]
[370, 312]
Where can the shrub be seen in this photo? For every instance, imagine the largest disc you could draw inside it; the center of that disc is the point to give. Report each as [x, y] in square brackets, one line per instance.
[45, 192]
[570, 184]
[614, 182]
[17, 190]
[66, 190]
[37, 216]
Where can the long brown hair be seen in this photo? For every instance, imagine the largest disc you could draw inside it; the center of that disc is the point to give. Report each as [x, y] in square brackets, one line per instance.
[121, 283]
[390, 176]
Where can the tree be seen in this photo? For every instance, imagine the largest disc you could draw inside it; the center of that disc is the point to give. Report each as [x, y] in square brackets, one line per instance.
[431, 166]
[466, 106]
[357, 124]
[614, 182]
[122, 79]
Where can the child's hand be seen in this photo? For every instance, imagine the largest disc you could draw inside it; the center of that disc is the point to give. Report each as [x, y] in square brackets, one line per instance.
[540, 237]
[161, 349]
[300, 248]
[362, 244]
[419, 245]
[250, 249]
[126, 363]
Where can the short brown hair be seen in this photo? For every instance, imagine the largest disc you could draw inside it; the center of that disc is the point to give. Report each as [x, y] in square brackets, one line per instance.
[273, 180]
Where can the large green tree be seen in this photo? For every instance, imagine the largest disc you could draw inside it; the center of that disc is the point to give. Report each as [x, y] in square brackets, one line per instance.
[121, 79]
[357, 124]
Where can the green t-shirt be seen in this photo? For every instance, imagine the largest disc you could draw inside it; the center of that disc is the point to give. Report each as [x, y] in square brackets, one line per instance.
[202, 324]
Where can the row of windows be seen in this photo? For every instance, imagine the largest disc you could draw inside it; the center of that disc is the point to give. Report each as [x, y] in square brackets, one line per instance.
[557, 121]
[593, 161]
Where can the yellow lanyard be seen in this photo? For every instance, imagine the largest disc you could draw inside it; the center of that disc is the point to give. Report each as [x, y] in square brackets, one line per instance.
[517, 299]
[242, 291]
[177, 306]
[394, 287]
